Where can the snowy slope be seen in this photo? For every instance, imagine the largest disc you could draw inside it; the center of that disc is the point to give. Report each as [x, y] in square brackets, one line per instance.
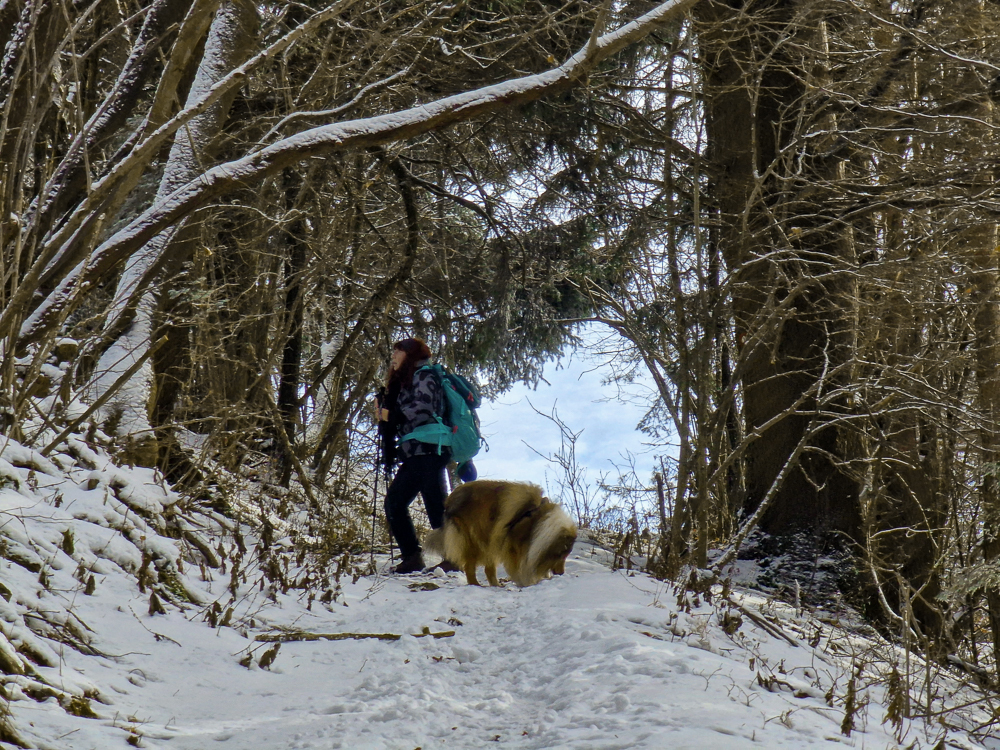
[593, 659]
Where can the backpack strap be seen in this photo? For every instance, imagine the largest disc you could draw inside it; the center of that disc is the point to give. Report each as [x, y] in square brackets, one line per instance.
[434, 432]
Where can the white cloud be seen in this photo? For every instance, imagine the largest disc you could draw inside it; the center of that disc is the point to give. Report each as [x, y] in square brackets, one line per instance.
[607, 424]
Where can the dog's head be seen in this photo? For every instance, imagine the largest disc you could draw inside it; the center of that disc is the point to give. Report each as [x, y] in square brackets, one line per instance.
[552, 539]
[554, 559]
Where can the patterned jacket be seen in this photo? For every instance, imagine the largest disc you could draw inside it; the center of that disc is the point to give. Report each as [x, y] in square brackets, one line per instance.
[417, 406]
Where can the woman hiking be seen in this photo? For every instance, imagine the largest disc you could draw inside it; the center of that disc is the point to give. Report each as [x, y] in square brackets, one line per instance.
[412, 398]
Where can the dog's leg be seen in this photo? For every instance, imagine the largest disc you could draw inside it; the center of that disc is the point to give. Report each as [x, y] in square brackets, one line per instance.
[491, 574]
[470, 574]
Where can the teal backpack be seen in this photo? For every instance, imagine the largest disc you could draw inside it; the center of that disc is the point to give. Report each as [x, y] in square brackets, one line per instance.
[458, 427]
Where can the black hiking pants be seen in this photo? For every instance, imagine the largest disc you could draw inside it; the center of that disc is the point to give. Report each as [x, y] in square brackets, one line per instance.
[423, 474]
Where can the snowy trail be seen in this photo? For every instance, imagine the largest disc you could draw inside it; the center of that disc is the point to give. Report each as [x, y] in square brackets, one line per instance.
[561, 665]
[593, 659]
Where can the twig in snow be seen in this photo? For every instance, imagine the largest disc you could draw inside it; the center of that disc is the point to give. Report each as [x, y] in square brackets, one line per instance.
[300, 636]
[157, 636]
[770, 627]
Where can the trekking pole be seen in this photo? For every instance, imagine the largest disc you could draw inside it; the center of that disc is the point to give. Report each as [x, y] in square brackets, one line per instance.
[378, 467]
[392, 546]
[386, 460]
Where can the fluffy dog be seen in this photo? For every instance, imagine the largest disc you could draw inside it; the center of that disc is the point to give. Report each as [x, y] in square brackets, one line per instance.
[488, 522]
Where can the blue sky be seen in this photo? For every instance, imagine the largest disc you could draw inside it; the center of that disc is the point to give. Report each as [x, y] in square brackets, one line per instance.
[606, 417]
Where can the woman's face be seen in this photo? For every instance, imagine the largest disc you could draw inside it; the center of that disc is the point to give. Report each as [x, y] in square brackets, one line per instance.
[398, 356]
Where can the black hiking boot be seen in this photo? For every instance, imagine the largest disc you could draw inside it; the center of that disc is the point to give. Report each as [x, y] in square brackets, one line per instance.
[448, 566]
[412, 564]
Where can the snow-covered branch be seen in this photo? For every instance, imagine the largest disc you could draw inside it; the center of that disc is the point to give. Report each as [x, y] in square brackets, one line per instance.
[64, 249]
[326, 139]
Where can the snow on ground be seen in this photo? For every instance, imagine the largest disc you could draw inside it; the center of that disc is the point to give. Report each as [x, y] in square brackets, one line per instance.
[597, 658]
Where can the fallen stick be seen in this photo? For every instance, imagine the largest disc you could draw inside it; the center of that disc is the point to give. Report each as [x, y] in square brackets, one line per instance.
[293, 637]
[762, 623]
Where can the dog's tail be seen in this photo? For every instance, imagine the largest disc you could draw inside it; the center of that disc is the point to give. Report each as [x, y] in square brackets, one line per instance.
[434, 541]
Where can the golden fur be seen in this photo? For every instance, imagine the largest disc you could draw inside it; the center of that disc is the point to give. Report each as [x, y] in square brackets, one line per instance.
[489, 522]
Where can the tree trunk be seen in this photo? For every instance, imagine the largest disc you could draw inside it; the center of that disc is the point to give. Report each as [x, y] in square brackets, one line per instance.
[987, 323]
[291, 356]
[981, 242]
[790, 326]
[227, 45]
